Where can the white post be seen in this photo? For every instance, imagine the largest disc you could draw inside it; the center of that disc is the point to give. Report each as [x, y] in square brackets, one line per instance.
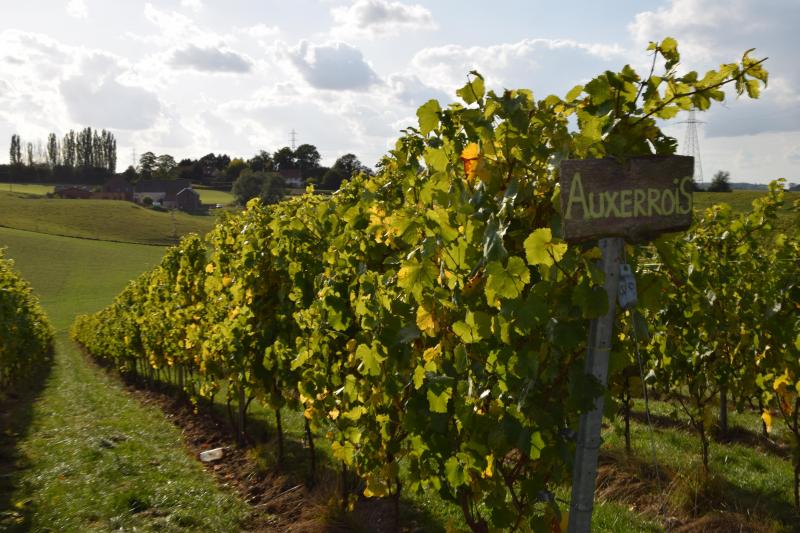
[584, 473]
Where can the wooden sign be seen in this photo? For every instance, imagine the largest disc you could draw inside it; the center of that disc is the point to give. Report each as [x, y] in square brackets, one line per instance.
[639, 200]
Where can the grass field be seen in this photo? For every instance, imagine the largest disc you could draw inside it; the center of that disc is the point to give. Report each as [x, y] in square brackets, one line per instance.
[39, 189]
[207, 196]
[212, 196]
[97, 219]
[79, 453]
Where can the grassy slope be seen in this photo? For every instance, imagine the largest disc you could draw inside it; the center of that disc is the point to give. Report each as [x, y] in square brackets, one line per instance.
[96, 219]
[88, 456]
[38, 189]
[207, 196]
[213, 196]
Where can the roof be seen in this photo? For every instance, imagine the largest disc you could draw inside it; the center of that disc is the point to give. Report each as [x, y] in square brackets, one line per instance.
[117, 183]
[188, 190]
[171, 187]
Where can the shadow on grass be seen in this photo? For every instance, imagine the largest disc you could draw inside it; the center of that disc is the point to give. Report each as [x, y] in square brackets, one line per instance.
[718, 504]
[282, 493]
[687, 501]
[734, 435]
[16, 415]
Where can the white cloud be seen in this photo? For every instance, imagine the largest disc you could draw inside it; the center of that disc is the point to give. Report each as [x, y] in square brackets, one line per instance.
[710, 32]
[260, 31]
[412, 91]
[77, 9]
[194, 5]
[335, 66]
[175, 29]
[210, 59]
[542, 64]
[110, 104]
[380, 18]
[53, 87]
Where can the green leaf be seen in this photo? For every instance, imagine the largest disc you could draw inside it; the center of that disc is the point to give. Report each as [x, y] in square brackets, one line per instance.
[669, 49]
[540, 249]
[473, 90]
[438, 402]
[537, 445]
[574, 93]
[371, 358]
[344, 452]
[506, 282]
[454, 472]
[476, 326]
[436, 158]
[428, 115]
[414, 276]
[441, 217]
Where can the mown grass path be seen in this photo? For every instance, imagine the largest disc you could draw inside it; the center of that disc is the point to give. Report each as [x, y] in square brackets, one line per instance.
[76, 451]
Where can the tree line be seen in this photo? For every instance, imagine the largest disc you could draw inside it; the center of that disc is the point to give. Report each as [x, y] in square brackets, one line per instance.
[87, 155]
[264, 175]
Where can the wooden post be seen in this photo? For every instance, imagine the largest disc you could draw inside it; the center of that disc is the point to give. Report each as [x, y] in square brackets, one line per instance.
[601, 329]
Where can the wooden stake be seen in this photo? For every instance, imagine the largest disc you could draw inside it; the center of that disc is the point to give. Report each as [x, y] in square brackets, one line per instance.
[584, 473]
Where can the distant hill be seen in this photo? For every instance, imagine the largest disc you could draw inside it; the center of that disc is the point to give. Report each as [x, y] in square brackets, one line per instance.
[109, 220]
[743, 186]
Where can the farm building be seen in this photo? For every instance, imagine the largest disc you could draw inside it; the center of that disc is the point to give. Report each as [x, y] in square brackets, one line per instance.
[72, 191]
[188, 200]
[162, 192]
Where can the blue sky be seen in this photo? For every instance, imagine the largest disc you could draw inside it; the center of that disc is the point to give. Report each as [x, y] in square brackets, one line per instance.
[188, 77]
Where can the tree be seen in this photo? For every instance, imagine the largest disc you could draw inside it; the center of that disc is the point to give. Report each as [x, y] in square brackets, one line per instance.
[165, 167]
[721, 182]
[306, 157]
[273, 188]
[68, 149]
[29, 153]
[130, 174]
[284, 159]
[147, 165]
[344, 168]
[15, 151]
[247, 186]
[266, 185]
[52, 150]
[234, 168]
[261, 162]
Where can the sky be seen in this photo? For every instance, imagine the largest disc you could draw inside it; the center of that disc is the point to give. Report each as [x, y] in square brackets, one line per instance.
[189, 77]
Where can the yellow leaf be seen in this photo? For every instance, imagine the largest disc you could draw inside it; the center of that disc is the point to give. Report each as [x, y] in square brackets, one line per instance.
[489, 466]
[782, 381]
[333, 413]
[767, 418]
[210, 268]
[432, 353]
[309, 413]
[471, 151]
[425, 321]
[226, 280]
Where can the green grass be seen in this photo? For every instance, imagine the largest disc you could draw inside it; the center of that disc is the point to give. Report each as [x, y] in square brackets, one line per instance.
[741, 201]
[85, 455]
[213, 196]
[110, 220]
[39, 189]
